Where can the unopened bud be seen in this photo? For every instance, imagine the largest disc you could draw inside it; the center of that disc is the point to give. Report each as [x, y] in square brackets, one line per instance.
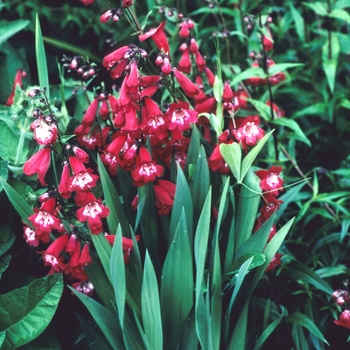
[34, 92]
[159, 61]
[116, 18]
[104, 18]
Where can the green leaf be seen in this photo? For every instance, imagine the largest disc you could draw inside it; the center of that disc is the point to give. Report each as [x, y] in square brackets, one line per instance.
[177, 284]
[253, 153]
[4, 262]
[104, 251]
[7, 238]
[319, 8]
[151, 314]
[248, 203]
[41, 58]
[292, 124]
[238, 339]
[340, 14]
[27, 311]
[330, 56]
[280, 67]
[8, 29]
[18, 202]
[116, 215]
[117, 270]
[4, 170]
[182, 200]
[304, 321]
[249, 73]
[193, 150]
[106, 320]
[232, 153]
[298, 21]
[263, 109]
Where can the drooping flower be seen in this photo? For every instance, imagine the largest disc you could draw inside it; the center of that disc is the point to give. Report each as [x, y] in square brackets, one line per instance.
[39, 164]
[158, 36]
[85, 258]
[180, 117]
[344, 319]
[52, 253]
[89, 116]
[146, 170]
[114, 57]
[248, 131]
[92, 211]
[189, 88]
[63, 188]
[44, 133]
[44, 220]
[275, 261]
[127, 244]
[18, 81]
[83, 179]
[270, 181]
[164, 193]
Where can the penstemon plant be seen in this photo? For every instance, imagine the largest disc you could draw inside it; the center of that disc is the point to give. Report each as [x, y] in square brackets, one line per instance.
[153, 206]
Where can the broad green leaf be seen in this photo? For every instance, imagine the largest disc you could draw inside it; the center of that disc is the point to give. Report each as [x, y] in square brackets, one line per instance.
[253, 153]
[41, 58]
[304, 321]
[116, 215]
[177, 284]
[117, 270]
[318, 7]
[193, 150]
[188, 338]
[292, 124]
[340, 14]
[151, 314]
[239, 336]
[331, 271]
[199, 184]
[8, 29]
[4, 262]
[27, 311]
[4, 170]
[232, 153]
[280, 67]
[249, 73]
[7, 238]
[18, 202]
[249, 200]
[106, 320]
[182, 200]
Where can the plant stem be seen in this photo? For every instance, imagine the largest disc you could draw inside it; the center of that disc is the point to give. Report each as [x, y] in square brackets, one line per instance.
[21, 142]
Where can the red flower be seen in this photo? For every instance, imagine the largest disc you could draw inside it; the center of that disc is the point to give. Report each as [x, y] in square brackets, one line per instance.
[87, 2]
[18, 81]
[63, 188]
[114, 57]
[89, 117]
[127, 244]
[248, 132]
[52, 253]
[85, 287]
[44, 134]
[344, 319]
[189, 88]
[92, 211]
[39, 164]
[85, 258]
[146, 170]
[29, 235]
[275, 261]
[83, 179]
[267, 40]
[185, 62]
[158, 36]
[179, 116]
[44, 220]
[164, 192]
[126, 3]
[270, 182]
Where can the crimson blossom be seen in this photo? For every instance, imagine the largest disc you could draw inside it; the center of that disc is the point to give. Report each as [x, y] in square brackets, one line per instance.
[92, 211]
[39, 164]
[270, 181]
[344, 319]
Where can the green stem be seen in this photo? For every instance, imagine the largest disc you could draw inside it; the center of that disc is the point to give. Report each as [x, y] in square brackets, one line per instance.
[21, 142]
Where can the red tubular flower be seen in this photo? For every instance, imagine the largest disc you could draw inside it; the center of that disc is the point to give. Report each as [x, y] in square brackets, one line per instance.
[267, 40]
[44, 220]
[275, 261]
[105, 17]
[248, 132]
[166, 66]
[83, 179]
[344, 319]
[75, 254]
[114, 57]
[18, 81]
[87, 2]
[89, 117]
[39, 164]
[270, 182]
[146, 170]
[44, 134]
[52, 253]
[80, 154]
[127, 244]
[85, 287]
[279, 112]
[164, 192]
[158, 36]
[85, 258]
[210, 76]
[255, 81]
[126, 3]
[217, 163]
[189, 88]
[63, 188]
[92, 211]
[179, 116]
[185, 62]
[184, 30]
[200, 61]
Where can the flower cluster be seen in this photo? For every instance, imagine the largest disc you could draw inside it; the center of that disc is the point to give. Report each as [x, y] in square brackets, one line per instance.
[342, 299]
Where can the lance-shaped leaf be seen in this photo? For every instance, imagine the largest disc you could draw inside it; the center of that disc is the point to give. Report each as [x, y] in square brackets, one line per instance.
[232, 154]
[27, 311]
